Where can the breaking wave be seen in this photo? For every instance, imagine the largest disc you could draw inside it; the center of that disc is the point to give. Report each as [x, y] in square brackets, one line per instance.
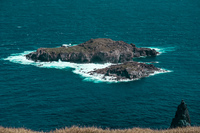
[163, 50]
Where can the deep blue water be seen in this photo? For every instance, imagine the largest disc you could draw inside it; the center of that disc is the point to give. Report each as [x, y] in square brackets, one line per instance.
[42, 98]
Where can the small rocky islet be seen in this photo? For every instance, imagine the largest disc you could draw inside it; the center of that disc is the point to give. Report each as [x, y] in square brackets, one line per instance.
[102, 50]
[128, 70]
[182, 117]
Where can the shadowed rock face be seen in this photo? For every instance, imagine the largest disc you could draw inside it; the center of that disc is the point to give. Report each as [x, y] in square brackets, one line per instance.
[94, 51]
[182, 118]
[128, 70]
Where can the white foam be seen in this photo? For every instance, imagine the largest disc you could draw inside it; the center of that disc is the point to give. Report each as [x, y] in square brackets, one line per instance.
[69, 45]
[163, 50]
[66, 45]
[81, 69]
[160, 72]
[151, 62]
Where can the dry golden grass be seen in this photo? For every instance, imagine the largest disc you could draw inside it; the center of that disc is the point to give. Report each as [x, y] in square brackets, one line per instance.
[75, 129]
[16, 130]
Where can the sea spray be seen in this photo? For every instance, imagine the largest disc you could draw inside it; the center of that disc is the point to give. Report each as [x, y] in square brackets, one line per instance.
[163, 50]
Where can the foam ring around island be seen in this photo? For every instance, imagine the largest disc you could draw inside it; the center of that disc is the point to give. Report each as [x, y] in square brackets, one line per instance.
[81, 69]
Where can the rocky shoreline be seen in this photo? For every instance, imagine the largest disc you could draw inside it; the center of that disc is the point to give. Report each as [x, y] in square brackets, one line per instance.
[102, 50]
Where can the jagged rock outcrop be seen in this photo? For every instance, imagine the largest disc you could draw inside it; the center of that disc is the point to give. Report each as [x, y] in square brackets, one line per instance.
[128, 70]
[182, 118]
[99, 50]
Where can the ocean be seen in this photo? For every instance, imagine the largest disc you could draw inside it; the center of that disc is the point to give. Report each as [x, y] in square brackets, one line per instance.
[57, 95]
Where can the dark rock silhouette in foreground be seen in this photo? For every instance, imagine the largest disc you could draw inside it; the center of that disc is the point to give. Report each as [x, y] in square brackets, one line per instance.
[99, 50]
[182, 118]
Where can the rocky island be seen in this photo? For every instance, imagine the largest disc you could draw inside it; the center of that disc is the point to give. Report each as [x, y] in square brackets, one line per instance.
[99, 50]
[102, 50]
[128, 71]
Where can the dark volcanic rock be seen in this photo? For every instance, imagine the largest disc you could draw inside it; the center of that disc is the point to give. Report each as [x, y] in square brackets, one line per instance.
[128, 70]
[95, 50]
[182, 118]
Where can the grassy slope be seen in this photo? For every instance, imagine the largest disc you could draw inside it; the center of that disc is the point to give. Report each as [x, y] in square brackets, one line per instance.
[99, 130]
